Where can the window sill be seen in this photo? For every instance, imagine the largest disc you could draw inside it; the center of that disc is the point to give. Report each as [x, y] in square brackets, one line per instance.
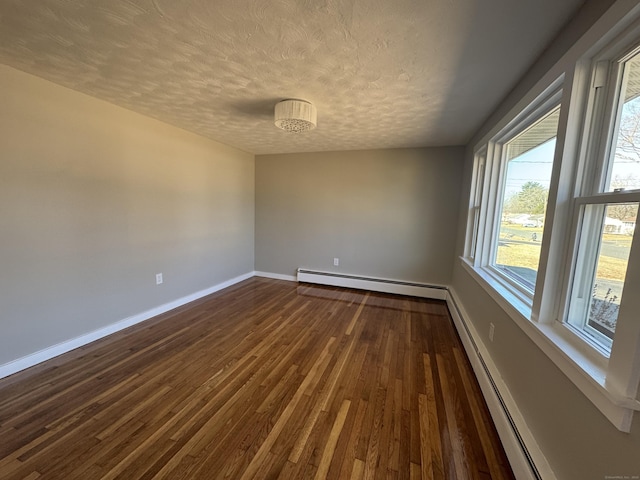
[515, 305]
[585, 368]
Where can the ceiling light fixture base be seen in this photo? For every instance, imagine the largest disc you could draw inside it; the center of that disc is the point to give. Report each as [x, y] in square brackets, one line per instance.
[295, 116]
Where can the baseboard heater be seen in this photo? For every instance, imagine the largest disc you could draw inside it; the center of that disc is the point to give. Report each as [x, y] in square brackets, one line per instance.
[374, 284]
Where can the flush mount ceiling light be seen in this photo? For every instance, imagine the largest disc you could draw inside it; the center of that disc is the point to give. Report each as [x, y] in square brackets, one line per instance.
[295, 116]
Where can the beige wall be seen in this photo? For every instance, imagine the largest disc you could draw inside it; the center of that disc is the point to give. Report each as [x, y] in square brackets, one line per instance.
[94, 201]
[383, 213]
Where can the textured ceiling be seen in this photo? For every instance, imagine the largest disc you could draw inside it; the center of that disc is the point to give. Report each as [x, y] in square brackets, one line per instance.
[382, 73]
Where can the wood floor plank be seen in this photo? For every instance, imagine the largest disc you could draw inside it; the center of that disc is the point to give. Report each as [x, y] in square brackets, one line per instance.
[434, 440]
[495, 458]
[266, 379]
[358, 470]
[330, 445]
[350, 449]
[426, 461]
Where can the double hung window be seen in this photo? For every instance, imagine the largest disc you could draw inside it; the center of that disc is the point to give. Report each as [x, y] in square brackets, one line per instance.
[607, 202]
[476, 205]
[527, 161]
[510, 194]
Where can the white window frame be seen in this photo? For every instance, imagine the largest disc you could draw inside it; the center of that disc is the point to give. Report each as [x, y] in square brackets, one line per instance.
[611, 382]
[475, 205]
[581, 268]
[490, 166]
[622, 355]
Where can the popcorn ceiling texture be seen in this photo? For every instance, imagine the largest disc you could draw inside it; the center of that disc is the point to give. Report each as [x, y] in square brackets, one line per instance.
[383, 74]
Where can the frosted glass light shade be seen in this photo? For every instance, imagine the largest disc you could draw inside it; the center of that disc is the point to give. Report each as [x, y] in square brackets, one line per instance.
[295, 116]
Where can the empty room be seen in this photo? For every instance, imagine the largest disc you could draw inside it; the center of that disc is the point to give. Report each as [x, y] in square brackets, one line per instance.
[333, 239]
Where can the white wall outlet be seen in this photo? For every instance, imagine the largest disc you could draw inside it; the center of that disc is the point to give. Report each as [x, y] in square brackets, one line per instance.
[492, 329]
[336, 262]
[158, 278]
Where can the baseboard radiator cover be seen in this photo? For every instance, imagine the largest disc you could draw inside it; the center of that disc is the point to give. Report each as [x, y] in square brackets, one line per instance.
[383, 285]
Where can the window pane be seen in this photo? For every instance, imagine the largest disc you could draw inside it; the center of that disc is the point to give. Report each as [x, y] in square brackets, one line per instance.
[625, 168]
[603, 257]
[527, 177]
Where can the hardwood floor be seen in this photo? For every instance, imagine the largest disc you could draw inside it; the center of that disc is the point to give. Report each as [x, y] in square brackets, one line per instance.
[266, 379]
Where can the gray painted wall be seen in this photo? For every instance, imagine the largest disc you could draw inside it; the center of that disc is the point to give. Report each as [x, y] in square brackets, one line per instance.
[383, 213]
[94, 201]
[577, 440]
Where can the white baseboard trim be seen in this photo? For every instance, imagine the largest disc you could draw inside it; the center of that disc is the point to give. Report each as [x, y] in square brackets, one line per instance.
[53, 351]
[526, 459]
[276, 276]
[383, 285]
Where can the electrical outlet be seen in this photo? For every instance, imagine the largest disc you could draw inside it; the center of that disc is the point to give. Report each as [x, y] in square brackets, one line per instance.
[158, 278]
[492, 329]
[336, 262]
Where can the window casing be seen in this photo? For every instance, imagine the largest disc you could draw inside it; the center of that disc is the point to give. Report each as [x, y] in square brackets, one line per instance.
[526, 164]
[475, 207]
[598, 305]
[584, 298]
[503, 170]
